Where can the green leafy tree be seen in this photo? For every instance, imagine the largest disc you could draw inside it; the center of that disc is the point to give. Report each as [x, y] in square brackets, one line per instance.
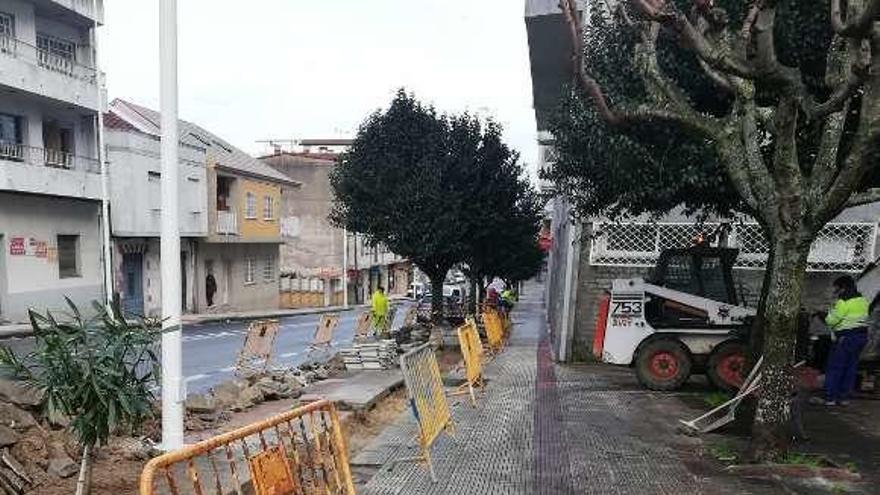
[409, 182]
[98, 372]
[502, 217]
[768, 108]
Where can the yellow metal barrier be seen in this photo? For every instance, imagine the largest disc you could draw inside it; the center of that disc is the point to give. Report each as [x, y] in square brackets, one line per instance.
[492, 320]
[324, 333]
[257, 349]
[424, 386]
[472, 352]
[299, 452]
[362, 325]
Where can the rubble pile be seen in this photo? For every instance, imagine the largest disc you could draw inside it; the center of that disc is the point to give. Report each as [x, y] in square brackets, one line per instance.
[206, 411]
[30, 452]
[378, 355]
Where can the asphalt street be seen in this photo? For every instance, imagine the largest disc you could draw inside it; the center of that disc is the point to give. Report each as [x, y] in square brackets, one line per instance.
[210, 350]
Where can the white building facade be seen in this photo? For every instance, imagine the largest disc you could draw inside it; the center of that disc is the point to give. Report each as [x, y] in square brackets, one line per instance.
[50, 184]
[136, 214]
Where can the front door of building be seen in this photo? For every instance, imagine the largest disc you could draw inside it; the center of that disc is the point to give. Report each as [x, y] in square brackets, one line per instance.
[133, 270]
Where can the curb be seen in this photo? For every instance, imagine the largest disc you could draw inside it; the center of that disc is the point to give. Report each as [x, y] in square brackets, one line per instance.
[24, 330]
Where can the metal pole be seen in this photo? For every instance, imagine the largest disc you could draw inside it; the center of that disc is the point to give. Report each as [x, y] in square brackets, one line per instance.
[173, 391]
[345, 268]
[105, 172]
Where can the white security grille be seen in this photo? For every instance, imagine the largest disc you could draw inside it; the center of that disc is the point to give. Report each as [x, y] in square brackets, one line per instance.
[846, 247]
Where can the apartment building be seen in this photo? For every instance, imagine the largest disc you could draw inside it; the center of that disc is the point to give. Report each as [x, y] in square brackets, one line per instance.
[312, 253]
[136, 210]
[50, 183]
[230, 216]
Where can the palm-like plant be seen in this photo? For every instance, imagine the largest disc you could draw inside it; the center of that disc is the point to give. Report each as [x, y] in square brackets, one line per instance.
[99, 372]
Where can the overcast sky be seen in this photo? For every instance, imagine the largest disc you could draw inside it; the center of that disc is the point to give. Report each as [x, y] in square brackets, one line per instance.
[316, 68]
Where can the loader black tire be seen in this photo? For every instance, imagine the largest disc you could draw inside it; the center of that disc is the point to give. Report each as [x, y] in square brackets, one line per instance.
[727, 367]
[663, 364]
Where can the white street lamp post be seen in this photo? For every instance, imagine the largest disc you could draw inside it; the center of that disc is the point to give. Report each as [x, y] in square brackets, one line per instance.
[173, 386]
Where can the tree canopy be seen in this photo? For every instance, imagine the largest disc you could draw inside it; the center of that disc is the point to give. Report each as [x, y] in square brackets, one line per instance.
[434, 188]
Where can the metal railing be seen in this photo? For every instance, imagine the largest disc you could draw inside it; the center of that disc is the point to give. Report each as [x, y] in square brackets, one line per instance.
[227, 222]
[48, 157]
[838, 247]
[67, 66]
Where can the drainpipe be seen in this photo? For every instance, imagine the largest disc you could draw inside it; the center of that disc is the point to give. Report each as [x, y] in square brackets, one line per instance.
[105, 173]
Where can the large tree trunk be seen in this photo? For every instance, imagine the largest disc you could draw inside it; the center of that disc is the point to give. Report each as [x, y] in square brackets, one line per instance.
[474, 296]
[771, 429]
[437, 297]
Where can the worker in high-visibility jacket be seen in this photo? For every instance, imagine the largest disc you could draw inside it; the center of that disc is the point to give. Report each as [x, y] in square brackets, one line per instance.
[848, 321]
[379, 311]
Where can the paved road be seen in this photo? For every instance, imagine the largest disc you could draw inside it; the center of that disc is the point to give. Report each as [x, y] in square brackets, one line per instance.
[210, 350]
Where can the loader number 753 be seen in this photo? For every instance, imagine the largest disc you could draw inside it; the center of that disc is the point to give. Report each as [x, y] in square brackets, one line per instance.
[626, 308]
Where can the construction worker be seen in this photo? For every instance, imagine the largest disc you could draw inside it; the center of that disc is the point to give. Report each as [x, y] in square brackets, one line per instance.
[848, 321]
[507, 300]
[379, 310]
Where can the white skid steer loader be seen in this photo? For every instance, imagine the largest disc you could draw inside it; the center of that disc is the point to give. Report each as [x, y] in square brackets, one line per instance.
[685, 319]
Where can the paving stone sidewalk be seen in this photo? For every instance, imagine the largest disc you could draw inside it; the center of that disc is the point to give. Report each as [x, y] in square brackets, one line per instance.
[543, 428]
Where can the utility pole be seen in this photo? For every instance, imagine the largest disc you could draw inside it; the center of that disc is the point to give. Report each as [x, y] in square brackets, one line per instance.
[173, 386]
[105, 172]
[345, 268]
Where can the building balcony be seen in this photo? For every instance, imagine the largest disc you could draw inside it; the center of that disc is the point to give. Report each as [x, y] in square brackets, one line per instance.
[28, 68]
[227, 223]
[51, 172]
[84, 8]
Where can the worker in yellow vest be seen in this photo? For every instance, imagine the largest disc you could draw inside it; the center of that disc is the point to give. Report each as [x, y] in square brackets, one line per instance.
[379, 310]
[848, 321]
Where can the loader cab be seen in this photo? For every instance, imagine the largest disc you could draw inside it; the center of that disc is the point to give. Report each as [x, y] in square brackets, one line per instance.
[701, 270]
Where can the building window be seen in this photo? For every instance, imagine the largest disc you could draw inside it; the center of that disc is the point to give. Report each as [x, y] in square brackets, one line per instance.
[269, 269]
[250, 266]
[55, 53]
[68, 256]
[250, 205]
[267, 208]
[11, 137]
[7, 33]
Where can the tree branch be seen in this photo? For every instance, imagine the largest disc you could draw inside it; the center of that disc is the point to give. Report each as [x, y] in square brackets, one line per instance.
[586, 82]
[679, 113]
[860, 25]
[841, 95]
[864, 198]
[718, 57]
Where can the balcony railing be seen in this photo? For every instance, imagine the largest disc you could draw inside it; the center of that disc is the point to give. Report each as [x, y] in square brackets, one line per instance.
[227, 222]
[19, 49]
[47, 157]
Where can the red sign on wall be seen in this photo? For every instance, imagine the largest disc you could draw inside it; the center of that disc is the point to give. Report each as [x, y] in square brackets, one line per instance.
[16, 246]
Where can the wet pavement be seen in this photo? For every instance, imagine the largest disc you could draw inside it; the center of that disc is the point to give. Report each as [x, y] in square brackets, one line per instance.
[545, 428]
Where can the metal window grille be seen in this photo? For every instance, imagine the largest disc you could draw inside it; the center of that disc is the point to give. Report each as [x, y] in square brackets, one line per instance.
[250, 205]
[846, 247]
[269, 269]
[249, 269]
[267, 208]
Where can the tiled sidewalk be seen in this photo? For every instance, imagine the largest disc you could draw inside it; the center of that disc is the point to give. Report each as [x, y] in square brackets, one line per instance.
[542, 428]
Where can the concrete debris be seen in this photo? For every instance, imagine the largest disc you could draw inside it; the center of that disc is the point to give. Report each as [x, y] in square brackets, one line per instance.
[8, 436]
[201, 404]
[19, 393]
[16, 418]
[60, 464]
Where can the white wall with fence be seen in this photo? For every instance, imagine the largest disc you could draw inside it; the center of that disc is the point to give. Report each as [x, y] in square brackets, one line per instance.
[839, 247]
